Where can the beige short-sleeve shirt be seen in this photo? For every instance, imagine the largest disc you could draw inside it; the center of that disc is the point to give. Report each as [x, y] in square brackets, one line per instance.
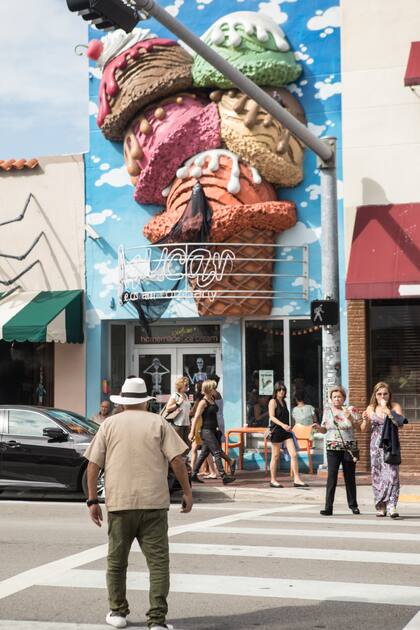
[134, 448]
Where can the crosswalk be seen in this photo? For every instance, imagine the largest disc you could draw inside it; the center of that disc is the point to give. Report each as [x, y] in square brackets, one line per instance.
[286, 555]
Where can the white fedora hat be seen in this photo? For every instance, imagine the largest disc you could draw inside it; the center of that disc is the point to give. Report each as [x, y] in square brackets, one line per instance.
[133, 392]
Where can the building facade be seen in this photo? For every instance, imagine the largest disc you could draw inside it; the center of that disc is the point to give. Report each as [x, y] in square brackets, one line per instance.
[257, 333]
[381, 165]
[42, 351]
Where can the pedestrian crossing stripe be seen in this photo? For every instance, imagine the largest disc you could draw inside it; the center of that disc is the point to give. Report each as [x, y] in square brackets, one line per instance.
[279, 588]
[314, 533]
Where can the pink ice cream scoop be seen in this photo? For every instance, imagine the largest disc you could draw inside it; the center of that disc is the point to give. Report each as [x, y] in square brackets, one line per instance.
[159, 141]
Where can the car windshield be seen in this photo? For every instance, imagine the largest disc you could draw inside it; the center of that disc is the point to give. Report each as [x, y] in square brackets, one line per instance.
[73, 422]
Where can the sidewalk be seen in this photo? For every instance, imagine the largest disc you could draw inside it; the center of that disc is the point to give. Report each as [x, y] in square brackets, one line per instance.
[253, 486]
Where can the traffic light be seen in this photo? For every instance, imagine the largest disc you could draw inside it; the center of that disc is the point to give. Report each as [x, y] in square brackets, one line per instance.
[107, 14]
[324, 312]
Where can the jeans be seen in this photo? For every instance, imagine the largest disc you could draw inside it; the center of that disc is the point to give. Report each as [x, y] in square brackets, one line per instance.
[334, 459]
[183, 433]
[150, 528]
[210, 445]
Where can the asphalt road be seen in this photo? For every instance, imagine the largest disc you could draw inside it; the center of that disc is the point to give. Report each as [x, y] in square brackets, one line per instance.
[235, 566]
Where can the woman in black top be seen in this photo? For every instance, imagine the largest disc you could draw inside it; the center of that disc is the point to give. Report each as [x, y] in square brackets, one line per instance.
[207, 410]
[281, 431]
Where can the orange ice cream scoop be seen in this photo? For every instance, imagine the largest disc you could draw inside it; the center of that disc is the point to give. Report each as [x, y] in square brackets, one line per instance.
[238, 196]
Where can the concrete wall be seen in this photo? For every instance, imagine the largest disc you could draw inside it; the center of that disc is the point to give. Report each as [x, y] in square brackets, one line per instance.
[69, 377]
[380, 117]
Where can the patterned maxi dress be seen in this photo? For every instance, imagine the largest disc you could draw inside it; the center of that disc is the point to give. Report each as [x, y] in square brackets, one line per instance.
[385, 477]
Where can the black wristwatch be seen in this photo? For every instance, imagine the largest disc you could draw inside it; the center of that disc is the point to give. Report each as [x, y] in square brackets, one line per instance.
[90, 502]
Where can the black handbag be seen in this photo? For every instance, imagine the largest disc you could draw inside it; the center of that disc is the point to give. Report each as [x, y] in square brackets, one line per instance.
[392, 458]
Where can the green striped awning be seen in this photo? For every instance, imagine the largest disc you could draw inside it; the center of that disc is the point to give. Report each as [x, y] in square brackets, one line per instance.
[42, 316]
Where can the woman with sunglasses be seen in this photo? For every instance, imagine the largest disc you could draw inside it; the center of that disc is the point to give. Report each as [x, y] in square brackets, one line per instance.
[281, 432]
[385, 477]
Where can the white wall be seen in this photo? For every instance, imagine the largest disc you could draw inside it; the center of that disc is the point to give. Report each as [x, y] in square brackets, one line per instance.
[381, 117]
[58, 210]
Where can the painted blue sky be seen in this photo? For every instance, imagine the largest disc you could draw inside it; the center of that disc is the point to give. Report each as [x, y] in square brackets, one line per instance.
[44, 93]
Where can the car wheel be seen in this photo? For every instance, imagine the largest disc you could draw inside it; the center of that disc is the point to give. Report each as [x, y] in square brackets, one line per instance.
[100, 485]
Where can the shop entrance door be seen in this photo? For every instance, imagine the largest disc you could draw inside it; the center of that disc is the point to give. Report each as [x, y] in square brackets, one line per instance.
[160, 366]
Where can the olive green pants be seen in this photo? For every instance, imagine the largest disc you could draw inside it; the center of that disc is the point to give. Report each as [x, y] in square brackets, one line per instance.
[150, 528]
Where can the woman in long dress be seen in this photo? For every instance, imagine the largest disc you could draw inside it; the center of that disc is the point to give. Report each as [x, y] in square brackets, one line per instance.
[385, 477]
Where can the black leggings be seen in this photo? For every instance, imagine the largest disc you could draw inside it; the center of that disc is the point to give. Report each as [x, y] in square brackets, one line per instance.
[211, 445]
[334, 459]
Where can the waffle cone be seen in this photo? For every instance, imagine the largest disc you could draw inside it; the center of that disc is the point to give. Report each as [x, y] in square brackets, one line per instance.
[251, 304]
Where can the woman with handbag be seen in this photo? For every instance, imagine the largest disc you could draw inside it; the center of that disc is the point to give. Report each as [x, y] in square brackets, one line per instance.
[338, 423]
[207, 411]
[381, 415]
[178, 407]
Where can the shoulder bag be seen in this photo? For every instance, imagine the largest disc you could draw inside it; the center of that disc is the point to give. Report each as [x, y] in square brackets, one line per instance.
[352, 453]
[170, 416]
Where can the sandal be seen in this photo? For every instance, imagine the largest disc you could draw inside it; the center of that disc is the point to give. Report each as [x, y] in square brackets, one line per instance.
[275, 484]
[381, 513]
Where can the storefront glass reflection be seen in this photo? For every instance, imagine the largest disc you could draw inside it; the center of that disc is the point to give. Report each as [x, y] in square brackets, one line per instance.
[395, 349]
[264, 366]
[26, 373]
[305, 362]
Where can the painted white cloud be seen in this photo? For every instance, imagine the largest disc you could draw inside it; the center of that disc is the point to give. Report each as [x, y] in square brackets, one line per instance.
[174, 8]
[295, 89]
[97, 218]
[318, 130]
[93, 108]
[288, 309]
[314, 190]
[325, 21]
[116, 177]
[299, 235]
[109, 277]
[313, 284]
[95, 315]
[95, 72]
[303, 55]
[104, 167]
[327, 88]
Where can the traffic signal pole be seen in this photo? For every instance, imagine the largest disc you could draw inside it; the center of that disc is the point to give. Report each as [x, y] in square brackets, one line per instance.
[323, 148]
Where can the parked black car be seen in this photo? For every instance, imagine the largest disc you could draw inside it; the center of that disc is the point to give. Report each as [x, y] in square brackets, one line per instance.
[43, 448]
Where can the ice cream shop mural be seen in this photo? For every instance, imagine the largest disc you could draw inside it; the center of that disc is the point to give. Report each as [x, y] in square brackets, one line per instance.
[204, 252]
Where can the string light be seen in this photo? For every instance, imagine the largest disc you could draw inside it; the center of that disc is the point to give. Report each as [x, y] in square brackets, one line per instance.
[277, 333]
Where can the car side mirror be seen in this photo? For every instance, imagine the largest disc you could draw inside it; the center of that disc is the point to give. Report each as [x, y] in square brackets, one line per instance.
[55, 434]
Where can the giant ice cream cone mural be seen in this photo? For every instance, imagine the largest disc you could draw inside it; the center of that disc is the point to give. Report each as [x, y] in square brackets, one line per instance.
[183, 123]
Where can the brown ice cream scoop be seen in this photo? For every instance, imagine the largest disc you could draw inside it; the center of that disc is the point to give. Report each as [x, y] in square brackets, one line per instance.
[258, 138]
[238, 196]
[148, 71]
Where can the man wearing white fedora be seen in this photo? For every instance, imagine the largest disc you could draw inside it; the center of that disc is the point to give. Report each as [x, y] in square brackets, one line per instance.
[134, 448]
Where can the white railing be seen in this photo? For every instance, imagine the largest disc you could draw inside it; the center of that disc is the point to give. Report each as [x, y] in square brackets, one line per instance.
[198, 269]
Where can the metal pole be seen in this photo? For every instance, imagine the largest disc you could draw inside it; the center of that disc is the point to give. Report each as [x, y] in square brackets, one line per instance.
[330, 279]
[151, 8]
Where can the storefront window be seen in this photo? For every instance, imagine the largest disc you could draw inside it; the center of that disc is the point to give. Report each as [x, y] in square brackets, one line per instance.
[26, 373]
[118, 358]
[395, 350]
[264, 367]
[306, 362]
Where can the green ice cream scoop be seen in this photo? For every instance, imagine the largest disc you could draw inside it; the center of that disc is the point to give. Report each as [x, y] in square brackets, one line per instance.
[254, 44]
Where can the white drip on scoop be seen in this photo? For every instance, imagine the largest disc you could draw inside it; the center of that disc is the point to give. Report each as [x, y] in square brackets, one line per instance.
[251, 22]
[194, 168]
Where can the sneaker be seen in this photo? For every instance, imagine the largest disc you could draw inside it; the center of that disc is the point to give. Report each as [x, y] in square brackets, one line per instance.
[116, 619]
[326, 512]
[196, 478]
[226, 479]
[393, 513]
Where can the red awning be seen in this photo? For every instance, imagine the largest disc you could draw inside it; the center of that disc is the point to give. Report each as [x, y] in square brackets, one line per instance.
[385, 253]
[412, 73]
